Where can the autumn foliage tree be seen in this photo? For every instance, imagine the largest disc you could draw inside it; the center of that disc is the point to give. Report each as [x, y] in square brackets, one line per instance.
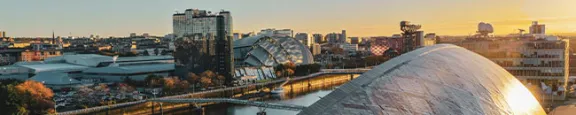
[220, 79]
[29, 97]
[206, 82]
[285, 70]
[170, 82]
[207, 79]
[193, 79]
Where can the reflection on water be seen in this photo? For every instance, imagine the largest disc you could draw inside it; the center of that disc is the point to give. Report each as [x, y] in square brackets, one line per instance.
[303, 93]
[233, 109]
[304, 96]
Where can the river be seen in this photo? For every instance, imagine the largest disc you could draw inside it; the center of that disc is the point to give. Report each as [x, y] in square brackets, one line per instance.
[297, 96]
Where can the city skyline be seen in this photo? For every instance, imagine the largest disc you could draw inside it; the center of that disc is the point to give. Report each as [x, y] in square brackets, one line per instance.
[359, 18]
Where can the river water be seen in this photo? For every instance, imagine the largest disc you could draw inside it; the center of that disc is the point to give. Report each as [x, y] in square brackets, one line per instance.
[304, 96]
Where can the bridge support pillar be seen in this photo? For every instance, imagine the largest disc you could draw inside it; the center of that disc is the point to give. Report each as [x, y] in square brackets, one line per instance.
[241, 91]
[261, 113]
[152, 108]
[161, 109]
[351, 76]
[291, 88]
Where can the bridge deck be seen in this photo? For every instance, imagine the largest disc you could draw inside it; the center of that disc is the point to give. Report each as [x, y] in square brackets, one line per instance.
[235, 101]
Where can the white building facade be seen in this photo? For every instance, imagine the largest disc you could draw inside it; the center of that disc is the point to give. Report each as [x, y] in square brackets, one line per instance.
[316, 49]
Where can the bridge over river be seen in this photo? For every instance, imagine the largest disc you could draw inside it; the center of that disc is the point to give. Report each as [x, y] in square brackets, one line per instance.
[181, 98]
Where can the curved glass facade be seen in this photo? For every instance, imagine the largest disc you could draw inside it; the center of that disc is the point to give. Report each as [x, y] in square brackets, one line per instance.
[441, 79]
[270, 51]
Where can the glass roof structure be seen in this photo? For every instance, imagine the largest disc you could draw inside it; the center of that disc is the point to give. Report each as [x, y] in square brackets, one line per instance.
[264, 50]
[441, 79]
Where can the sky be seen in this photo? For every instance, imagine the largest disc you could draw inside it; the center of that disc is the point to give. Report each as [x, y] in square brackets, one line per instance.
[34, 18]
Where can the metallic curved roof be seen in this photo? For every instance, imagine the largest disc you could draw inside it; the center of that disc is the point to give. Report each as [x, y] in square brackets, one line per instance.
[264, 50]
[441, 79]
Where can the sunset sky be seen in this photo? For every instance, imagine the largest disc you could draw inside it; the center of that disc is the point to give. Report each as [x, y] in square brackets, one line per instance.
[27, 18]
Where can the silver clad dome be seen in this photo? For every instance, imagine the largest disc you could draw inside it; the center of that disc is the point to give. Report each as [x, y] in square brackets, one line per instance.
[441, 79]
[269, 51]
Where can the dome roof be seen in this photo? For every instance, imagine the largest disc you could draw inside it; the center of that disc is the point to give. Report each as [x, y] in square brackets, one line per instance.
[263, 50]
[441, 79]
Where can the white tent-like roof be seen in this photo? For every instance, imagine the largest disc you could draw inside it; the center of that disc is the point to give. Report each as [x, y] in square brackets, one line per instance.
[54, 78]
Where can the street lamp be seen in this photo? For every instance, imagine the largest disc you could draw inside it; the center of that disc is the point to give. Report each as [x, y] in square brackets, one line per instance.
[55, 105]
[154, 92]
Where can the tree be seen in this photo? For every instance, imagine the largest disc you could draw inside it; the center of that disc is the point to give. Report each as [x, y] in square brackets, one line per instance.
[153, 80]
[206, 82]
[337, 50]
[285, 70]
[289, 72]
[208, 74]
[145, 53]
[36, 98]
[220, 79]
[183, 85]
[10, 101]
[156, 51]
[194, 79]
[170, 83]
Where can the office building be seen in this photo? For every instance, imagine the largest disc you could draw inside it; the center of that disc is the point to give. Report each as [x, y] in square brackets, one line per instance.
[316, 49]
[343, 37]
[133, 35]
[536, 28]
[204, 42]
[277, 33]
[333, 38]
[40, 51]
[10, 56]
[303, 38]
[318, 38]
[532, 60]
[354, 40]
[194, 21]
[428, 40]
[2, 34]
[350, 49]
[236, 36]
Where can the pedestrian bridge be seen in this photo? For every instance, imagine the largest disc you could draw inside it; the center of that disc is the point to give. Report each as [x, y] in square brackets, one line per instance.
[234, 101]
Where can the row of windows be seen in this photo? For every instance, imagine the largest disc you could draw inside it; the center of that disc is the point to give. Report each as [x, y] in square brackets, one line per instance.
[534, 73]
[522, 64]
[504, 54]
[528, 45]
